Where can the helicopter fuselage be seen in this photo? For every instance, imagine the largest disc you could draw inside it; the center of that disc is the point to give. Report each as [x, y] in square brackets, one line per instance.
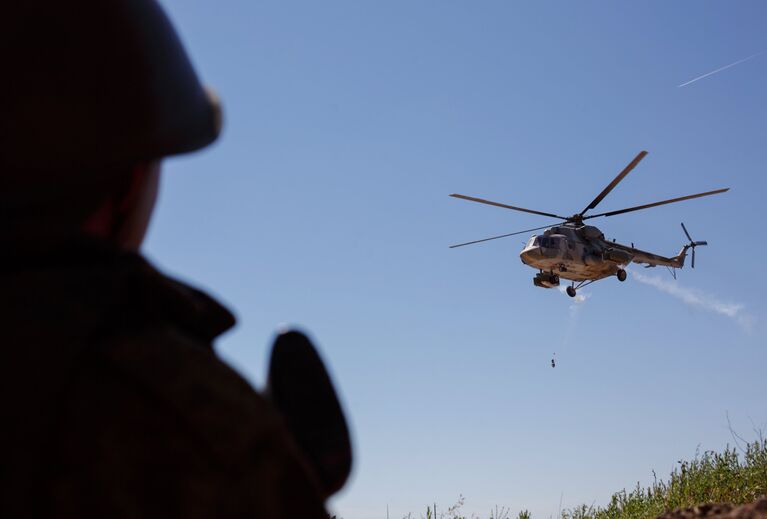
[581, 253]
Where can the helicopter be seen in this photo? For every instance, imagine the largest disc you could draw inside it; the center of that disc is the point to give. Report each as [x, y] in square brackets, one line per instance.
[578, 252]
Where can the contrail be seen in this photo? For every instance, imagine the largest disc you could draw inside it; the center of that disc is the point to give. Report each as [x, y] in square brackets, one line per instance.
[699, 299]
[721, 69]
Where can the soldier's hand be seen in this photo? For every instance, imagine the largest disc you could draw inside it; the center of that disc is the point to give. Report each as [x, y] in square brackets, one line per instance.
[300, 388]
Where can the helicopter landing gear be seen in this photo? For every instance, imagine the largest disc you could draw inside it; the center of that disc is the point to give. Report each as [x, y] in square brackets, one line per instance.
[621, 275]
[572, 289]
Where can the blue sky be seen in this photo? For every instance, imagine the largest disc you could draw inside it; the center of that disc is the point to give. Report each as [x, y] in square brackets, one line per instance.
[325, 206]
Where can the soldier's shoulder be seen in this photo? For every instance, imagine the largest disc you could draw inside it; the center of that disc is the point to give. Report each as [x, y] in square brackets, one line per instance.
[186, 377]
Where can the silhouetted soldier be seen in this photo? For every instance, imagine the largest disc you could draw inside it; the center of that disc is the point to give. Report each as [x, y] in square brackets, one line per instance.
[113, 401]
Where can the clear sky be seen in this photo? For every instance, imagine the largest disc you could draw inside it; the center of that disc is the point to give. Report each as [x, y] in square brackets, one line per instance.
[325, 205]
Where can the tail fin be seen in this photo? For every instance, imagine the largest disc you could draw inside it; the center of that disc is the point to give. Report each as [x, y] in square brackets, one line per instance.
[679, 258]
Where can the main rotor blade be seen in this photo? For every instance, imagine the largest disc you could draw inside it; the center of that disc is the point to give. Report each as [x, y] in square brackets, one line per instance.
[686, 233]
[488, 202]
[615, 181]
[647, 206]
[501, 236]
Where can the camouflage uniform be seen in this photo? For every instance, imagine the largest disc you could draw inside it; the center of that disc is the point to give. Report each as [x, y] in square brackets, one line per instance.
[115, 404]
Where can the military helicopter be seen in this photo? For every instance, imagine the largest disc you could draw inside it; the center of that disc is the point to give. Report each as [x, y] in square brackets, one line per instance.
[580, 253]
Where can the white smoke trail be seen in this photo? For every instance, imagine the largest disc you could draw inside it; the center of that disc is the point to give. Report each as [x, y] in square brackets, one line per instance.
[576, 306]
[697, 298]
[577, 300]
[720, 69]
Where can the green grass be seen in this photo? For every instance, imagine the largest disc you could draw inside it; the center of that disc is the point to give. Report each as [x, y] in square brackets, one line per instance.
[737, 475]
[731, 476]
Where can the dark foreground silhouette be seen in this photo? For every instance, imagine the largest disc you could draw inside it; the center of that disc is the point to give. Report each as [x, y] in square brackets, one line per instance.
[114, 402]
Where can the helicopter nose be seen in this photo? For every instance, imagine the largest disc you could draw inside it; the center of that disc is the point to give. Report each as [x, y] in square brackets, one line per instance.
[530, 254]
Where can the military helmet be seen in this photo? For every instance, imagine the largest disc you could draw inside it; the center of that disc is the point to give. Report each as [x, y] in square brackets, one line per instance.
[96, 83]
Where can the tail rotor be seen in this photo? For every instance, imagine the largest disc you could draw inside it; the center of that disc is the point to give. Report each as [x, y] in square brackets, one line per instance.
[692, 244]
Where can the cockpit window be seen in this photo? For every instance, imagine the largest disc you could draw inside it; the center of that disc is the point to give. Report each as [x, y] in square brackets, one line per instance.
[549, 242]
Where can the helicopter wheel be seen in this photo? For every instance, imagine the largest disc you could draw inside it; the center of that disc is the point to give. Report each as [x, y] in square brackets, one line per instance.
[570, 291]
[621, 275]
